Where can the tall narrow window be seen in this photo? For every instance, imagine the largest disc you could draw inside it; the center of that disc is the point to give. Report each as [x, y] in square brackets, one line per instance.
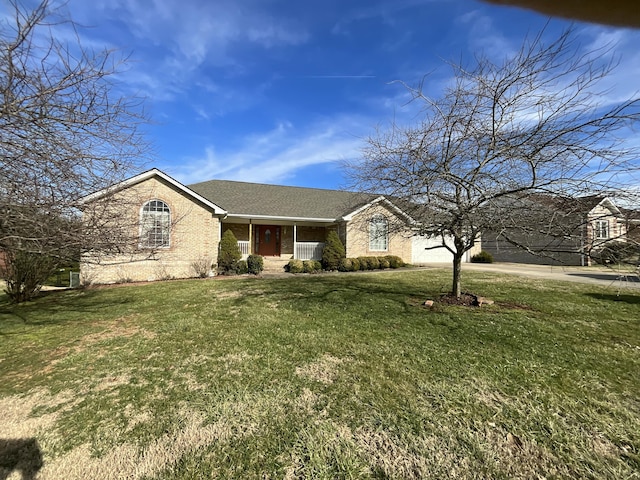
[602, 229]
[155, 224]
[378, 233]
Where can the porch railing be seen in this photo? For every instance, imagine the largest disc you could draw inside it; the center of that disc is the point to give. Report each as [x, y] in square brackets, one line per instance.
[244, 247]
[309, 250]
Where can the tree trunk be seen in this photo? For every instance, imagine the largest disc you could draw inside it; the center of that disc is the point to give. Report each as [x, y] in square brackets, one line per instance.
[457, 270]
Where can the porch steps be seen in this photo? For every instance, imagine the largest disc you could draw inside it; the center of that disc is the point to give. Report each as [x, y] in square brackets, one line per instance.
[274, 264]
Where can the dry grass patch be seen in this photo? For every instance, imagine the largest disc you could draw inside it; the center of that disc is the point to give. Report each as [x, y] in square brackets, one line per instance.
[18, 420]
[323, 370]
[123, 327]
[132, 462]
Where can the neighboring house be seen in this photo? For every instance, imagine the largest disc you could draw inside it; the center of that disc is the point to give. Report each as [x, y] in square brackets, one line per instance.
[178, 225]
[632, 218]
[567, 231]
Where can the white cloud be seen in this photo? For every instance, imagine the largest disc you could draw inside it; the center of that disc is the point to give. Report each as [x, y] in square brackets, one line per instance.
[484, 37]
[174, 41]
[277, 155]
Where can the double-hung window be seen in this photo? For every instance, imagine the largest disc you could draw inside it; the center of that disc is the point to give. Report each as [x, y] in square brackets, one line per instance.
[602, 229]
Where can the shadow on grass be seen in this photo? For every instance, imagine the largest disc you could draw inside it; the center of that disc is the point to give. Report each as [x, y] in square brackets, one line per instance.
[21, 455]
[612, 277]
[632, 299]
[339, 290]
[60, 307]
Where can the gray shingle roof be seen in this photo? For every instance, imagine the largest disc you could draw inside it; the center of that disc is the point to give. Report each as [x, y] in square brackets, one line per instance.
[242, 198]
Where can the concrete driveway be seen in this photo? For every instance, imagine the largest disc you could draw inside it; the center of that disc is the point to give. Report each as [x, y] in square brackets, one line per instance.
[593, 275]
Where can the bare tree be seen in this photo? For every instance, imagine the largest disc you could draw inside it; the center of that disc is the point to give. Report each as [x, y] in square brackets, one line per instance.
[535, 124]
[66, 129]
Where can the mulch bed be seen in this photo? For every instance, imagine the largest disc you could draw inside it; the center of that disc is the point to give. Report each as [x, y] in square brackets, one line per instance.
[465, 300]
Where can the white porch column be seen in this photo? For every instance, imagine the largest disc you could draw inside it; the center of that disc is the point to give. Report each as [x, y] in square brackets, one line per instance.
[250, 238]
[295, 240]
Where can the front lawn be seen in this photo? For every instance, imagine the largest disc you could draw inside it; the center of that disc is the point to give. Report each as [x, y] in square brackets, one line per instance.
[325, 376]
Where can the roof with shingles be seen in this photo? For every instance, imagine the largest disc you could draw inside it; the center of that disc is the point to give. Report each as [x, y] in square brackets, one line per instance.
[575, 205]
[243, 198]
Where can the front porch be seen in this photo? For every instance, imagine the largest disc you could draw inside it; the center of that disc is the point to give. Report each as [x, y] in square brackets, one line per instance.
[303, 242]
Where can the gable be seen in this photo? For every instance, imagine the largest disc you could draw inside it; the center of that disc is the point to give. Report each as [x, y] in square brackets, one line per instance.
[154, 176]
[397, 219]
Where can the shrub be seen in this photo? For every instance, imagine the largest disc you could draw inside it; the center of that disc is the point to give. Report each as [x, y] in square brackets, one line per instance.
[482, 257]
[294, 266]
[201, 266]
[312, 266]
[229, 253]
[255, 264]
[395, 261]
[333, 251]
[355, 264]
[384, 262]
[364, 264]
[25, 273]
[345, 265]
[373, 263]
[241, 267]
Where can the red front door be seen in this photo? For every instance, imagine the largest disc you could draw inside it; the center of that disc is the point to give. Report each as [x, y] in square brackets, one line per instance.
[268, 240]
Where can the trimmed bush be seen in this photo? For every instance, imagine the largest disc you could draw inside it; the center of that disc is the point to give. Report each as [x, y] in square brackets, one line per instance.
[374, 263]
[255, 264]
[333, 251]
[384, 262]
[395, 261]
[364, 264]
[242, 267]
[355, 264]
[229, 254]
[311, 266]
[482, 257]
[294, 266]
[345, 265]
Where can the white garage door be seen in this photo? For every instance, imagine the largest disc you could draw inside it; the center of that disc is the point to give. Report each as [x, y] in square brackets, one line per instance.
[420, 254]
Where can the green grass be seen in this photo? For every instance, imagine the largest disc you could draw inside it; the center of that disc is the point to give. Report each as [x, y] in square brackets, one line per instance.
[326, 376]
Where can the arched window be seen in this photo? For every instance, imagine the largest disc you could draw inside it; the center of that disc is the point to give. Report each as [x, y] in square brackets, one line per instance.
[378, 233]
[155, 224]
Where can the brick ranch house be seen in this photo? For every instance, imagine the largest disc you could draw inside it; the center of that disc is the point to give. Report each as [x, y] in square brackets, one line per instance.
[181, 225]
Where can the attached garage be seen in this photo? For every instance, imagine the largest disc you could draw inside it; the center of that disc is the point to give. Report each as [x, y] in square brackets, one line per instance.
[423, 251]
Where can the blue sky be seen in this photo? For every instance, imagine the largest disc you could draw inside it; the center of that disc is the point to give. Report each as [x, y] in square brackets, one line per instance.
[283, 91]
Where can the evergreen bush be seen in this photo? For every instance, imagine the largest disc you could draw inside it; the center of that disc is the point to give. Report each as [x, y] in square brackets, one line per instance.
[241, 267]
[345, 265]
[333, 251]
[355, 264]
[294, 266]
[384, 262]
[229, 254]
[482, 257]
[364, 264]
[255, 264]
[395, 261]
[311, 266]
